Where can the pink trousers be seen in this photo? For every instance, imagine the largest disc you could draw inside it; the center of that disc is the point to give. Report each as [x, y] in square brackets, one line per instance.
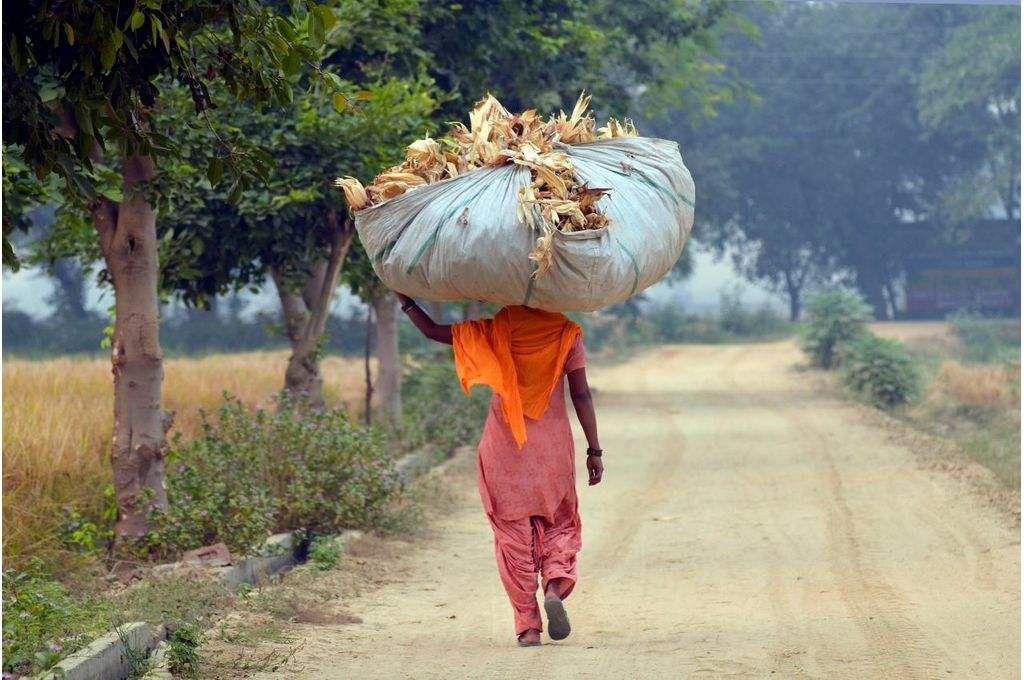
[530, 545]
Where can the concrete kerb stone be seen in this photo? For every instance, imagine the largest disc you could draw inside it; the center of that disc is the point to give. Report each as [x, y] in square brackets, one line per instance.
[425, 460]
[279, 553]
[159, 664]
[109, 656]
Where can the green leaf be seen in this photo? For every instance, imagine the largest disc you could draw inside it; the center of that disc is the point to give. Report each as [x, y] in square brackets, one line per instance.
[334, 81]
[326, 16]
[284, 91]
[292, 63]
[316, 29]
[11, 260]
[339, 101]
[108, 54]
[113, 193]
[69, 32]
[236, 192]
[215, 170]
[136, 20]
[49, 92]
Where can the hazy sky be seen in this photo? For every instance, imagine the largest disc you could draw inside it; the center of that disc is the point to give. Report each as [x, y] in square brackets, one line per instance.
[28, 289]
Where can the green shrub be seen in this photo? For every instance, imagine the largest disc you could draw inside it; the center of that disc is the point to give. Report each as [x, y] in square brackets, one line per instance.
[183, 651]
[881, 370]
[668, 322]
[327, 471]
[324, 552]
[435, 410]
[42, 623]
[214, 488]
[738, 320]
[987, 340]
[255, 471]
[833, 317]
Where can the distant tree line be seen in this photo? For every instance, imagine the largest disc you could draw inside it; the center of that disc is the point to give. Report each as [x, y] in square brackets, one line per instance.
[856, 123]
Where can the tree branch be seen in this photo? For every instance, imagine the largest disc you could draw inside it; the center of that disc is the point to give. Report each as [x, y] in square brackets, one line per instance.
[341, 240]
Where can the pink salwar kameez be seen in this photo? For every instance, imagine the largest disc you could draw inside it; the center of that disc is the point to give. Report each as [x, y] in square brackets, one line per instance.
[529, 496]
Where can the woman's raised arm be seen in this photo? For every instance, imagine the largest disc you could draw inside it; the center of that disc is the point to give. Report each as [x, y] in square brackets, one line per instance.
[439, 332]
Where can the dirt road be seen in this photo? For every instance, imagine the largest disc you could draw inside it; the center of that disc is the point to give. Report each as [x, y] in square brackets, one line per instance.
[749, 525]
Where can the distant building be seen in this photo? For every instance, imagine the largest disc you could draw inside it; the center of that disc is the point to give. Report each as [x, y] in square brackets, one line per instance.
[979, 274]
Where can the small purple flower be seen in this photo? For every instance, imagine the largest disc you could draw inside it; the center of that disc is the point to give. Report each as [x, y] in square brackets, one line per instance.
[54, 647]
[8, 676]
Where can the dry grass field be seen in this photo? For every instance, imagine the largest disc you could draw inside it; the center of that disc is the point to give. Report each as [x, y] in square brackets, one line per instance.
[57, 423]
[975, 403]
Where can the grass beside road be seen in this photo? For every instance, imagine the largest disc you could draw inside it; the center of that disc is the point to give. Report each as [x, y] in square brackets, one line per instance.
[971, 369]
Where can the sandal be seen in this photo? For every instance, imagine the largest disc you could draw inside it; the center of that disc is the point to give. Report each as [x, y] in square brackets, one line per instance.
[558, 620]
[519, 640]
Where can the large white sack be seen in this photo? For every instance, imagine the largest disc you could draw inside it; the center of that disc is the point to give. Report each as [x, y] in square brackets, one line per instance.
[461, 239]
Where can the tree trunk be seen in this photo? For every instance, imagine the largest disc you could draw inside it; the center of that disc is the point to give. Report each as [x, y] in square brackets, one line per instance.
[890, 295]
[68, 297]
[876, 298]
[793, 290]
[368, 378]
[301, 378]
[128, 241]
[306, 316]
[389, 370]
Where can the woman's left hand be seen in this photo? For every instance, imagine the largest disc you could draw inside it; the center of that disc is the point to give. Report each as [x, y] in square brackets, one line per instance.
[595, 468]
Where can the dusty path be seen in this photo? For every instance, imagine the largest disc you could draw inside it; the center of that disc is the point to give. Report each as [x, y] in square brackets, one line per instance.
[749, 525]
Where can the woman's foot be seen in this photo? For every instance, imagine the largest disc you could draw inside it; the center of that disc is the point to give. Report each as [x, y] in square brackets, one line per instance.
[530, 638]
[558, 619]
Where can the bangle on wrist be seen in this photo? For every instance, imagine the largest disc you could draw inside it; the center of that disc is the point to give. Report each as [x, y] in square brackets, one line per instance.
[408, 305]
[594, 452]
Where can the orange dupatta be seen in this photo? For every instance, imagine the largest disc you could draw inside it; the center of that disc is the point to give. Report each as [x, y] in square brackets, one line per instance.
[520, 354]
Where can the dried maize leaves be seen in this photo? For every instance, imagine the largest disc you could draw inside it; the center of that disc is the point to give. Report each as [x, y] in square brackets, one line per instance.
[554, 200]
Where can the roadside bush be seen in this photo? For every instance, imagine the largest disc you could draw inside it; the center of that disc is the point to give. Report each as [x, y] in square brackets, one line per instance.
[987, 340]
[324, 552]
[435, 410]
[327, 471]
[668, 322]
[834, 317]
[254, 471]
[738, 320]
[183, 651]
[214, 489]
[881, 370]
[42, 623]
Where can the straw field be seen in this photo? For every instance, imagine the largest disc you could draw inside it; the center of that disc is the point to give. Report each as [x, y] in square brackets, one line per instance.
[57, 422]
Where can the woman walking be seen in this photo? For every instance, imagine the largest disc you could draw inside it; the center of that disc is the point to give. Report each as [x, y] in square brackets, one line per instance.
[525, 462]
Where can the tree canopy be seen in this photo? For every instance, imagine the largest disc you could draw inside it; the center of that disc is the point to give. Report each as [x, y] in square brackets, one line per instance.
[857, 122]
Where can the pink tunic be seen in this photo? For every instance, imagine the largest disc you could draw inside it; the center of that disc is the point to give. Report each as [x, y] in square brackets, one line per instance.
[532, 481]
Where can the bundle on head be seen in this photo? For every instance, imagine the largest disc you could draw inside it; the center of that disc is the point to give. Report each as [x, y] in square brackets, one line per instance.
[555, 199]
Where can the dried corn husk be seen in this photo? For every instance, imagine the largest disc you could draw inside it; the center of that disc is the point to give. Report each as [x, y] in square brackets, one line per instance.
[555, 200]
[355, 194]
